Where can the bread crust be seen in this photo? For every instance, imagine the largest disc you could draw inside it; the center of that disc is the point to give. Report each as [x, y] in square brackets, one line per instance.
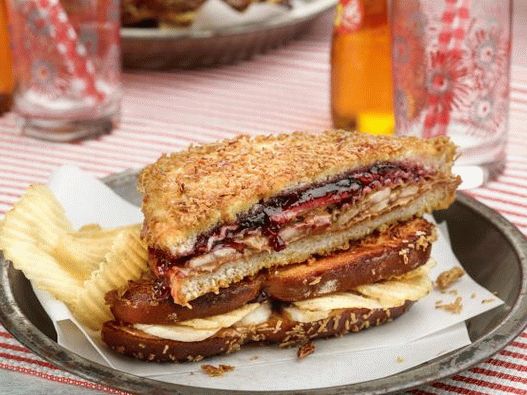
[139, 303]
[278, 329]
[291, 333]
[189, 192]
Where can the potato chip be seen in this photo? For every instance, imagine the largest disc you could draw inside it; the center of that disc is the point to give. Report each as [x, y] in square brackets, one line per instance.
[82, 252]
[28, 237]
[45, 272]
[127, 260]
[39, 216]
[76, 267]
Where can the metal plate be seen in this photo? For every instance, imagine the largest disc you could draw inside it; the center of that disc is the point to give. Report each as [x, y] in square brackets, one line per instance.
[152, 48]
[491, 249]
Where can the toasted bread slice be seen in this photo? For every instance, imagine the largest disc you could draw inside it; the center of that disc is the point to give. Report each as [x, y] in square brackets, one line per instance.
[142, 302]
[380, 256]
[127, 340]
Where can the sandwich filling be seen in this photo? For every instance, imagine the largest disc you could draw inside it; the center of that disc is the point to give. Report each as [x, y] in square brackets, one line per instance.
[320, 208]
[410, 287]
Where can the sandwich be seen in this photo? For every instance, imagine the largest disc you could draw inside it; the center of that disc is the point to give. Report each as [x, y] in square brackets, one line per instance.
[280, 239]
[175, 13]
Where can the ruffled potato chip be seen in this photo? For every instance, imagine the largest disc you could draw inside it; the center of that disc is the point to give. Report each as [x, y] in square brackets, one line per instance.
[127, 260]
[28, 237]
[76, 267]
[83, 251]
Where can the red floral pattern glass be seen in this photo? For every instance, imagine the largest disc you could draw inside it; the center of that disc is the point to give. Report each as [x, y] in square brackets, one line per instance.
[451, 61]
[67, 66]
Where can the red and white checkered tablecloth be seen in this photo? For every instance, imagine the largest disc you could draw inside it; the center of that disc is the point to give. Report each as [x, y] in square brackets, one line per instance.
[284, 90]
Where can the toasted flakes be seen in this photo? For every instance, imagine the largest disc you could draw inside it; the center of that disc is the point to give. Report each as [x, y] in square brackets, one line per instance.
[455, 307]
[127, 260]
[448, 277]
[216, 371]
[305, 350]
[315, 281]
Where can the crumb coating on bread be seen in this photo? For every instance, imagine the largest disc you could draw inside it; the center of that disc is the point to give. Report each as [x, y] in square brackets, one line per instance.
[187, 193]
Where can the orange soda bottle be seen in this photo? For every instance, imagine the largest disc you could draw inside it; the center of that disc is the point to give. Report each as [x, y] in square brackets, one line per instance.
[6, 70]
[361, 72]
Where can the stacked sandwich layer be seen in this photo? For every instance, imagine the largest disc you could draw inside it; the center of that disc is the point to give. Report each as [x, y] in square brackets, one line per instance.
[280, 239]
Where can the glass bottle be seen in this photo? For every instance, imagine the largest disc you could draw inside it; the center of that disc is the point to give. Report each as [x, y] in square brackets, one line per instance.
[361, 72]
[6, 72]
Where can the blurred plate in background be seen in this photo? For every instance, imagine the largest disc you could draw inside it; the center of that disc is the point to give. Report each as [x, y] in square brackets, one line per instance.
[154, 48]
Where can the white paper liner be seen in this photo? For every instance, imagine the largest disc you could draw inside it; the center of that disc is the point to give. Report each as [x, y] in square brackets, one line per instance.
[418, 336]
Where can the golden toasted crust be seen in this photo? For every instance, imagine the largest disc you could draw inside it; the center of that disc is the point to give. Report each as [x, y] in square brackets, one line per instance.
[189, 192]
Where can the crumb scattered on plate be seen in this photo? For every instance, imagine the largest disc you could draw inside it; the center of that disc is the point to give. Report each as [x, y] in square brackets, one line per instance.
[490, 300]
[305, 350]
[399, 359]
[448, 277]
[455, 307]
[253, 358]
[216, 371]
[473, 295]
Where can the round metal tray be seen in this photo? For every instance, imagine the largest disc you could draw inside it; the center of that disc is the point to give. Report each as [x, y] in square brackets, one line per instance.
[153, 48]
[491, 249]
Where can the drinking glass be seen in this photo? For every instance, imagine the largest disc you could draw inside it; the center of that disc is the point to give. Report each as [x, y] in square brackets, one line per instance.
[67, 66]
[451, 62]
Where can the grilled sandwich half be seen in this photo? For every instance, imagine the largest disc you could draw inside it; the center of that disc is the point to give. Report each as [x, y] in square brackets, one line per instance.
[220, 213]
